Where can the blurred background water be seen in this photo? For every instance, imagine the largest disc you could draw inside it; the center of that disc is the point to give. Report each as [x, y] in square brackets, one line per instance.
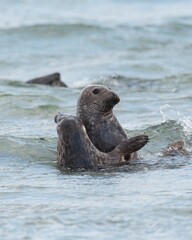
[142, 50]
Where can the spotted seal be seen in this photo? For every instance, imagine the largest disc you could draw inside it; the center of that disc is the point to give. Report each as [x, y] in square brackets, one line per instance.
[95, 109]
[76, 151]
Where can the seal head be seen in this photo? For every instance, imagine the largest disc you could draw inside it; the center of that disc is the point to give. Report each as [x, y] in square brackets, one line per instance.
[96, 99]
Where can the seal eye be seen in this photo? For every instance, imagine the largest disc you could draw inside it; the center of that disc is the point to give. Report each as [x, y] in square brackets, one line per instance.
[96, 91]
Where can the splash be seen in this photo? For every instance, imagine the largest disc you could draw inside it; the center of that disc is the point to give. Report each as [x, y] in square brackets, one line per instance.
[183, 119]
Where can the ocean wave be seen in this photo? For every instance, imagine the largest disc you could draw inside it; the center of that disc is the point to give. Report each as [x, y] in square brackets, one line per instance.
[165, 83]
[55, 29]
[110, 12]
[160, 136]
[66, 27]
[166, 133]
[116, 80]
[36, 149]
[43, 149]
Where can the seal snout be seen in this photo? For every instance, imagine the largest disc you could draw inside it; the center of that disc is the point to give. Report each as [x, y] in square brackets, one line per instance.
[115, 98]
[60, 116]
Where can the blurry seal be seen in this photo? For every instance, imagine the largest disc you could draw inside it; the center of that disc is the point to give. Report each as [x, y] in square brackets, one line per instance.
[95, 109]
[76, 151]
[176, 149]
[53, 79]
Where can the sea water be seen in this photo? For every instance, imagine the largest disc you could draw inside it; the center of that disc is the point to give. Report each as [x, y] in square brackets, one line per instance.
[142, 50]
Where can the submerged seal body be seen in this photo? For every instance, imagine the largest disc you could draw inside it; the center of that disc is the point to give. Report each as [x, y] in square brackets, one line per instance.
[176, 149]
[95, 109]
[76, 151]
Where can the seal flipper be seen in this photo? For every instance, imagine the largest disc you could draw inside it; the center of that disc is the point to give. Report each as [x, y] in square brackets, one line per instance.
[127, 147]
[132, 144]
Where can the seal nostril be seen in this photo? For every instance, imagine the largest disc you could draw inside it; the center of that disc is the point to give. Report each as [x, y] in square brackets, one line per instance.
[115, 97]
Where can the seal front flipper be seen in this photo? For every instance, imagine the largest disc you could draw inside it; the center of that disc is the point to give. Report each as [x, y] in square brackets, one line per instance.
[132, 144]
[117, 156]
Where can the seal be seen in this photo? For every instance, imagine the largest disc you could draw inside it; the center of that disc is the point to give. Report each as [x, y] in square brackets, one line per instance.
[95, 109]
[53, 79]
[176, 149]
[76, 151]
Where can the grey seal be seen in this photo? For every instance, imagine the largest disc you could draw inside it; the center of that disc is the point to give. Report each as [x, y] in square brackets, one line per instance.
[76, 151]
[95, 108]
[176, 149]
[53, 79]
